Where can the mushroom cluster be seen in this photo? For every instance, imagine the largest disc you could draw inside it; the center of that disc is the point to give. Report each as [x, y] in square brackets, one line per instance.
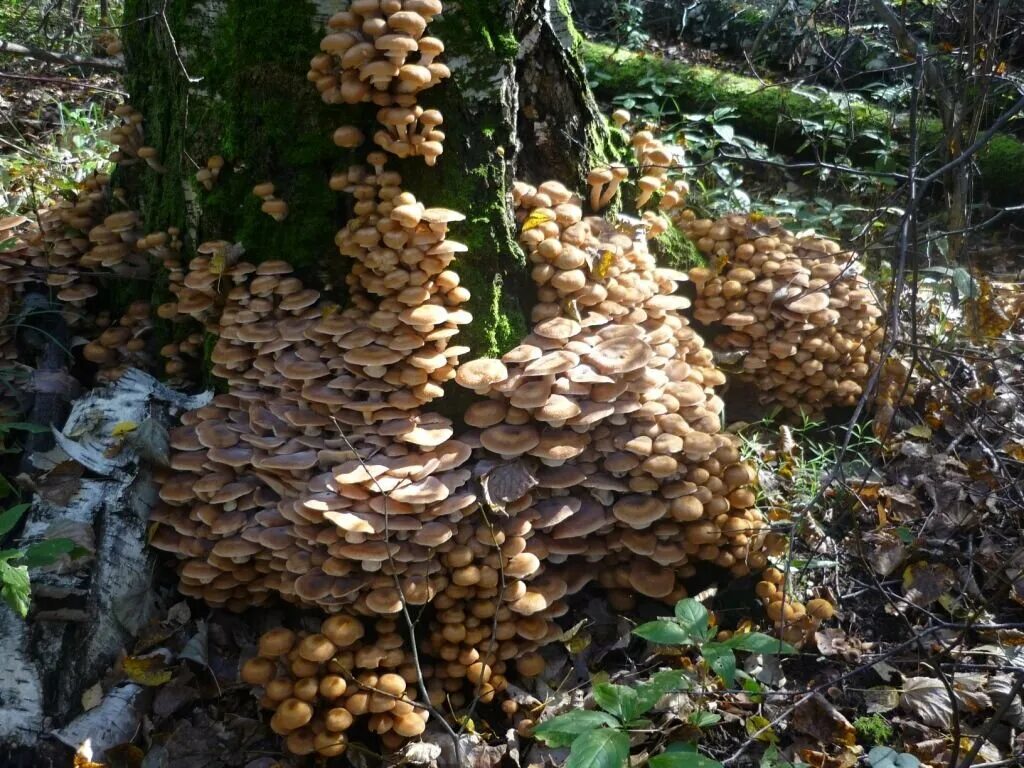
[795, 621]
[129, 136]
[76, 240]
[318, 684]
[376, 51]
[274, 207]
[123, 344]
[317, 476]
[208, 175]
[609, 403]
[801, 321]
[655, 162]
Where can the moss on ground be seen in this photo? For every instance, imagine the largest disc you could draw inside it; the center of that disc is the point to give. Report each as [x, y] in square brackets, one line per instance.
[773, 114]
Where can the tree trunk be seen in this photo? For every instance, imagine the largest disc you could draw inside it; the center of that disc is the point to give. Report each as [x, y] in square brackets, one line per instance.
[516, 105]
[229, 78]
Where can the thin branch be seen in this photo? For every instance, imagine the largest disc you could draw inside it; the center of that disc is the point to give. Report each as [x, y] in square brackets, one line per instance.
[55, 57]
[62, 81]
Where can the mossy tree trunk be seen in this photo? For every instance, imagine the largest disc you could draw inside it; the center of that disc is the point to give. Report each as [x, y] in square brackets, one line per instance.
[228, 77]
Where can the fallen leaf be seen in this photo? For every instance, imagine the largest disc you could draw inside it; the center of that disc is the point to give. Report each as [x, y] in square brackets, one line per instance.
[507, 482]
[885, 552]
[882, 698]
[817, 718]
[536, 218]
[924, 583]
[922, 431]
[759, 727]
[92, 696]
[122, 428]
[148, 670]
[927, 699]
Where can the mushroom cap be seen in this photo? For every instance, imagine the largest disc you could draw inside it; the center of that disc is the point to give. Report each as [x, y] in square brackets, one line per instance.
[510, 440]
[651, 579]
[481, 374]
[620, 355]
[808, 303]
[639, 511]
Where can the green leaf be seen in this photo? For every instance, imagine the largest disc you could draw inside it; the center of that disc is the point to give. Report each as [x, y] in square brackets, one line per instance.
[16, 589]
[722, 660]
[663, 682]
[693, 617]
[5, 487]
[11, 554]
[603, 748]
[24, 426]
[10, 517]
[562, 730]
[704, 719]
[618, 700]
[682, 756]
[47, 552]
[725, 132]
[663, 632]
[758, 642]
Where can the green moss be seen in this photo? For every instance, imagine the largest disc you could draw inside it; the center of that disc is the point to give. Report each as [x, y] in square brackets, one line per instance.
[507, 45]
[254, 107]
[774, 114]
[873, 730]
[676, 250]
[1002, 168]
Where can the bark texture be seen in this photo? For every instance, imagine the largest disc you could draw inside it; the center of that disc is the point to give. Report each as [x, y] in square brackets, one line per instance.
[86, 611]
[516, 105]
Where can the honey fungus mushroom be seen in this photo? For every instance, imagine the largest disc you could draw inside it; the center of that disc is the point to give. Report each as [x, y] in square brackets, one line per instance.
[796, 308]
[318, 685]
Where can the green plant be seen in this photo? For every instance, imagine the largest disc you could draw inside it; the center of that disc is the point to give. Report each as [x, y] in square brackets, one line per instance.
[600, 738]
[15, 585]
[42, 171]
[873, 729]
[691, 625]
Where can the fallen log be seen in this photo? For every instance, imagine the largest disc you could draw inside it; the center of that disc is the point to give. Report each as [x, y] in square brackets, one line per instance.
[774, 114]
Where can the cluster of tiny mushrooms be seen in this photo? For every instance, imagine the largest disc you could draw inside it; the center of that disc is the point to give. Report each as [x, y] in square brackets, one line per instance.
[320, 476]
[68, 249]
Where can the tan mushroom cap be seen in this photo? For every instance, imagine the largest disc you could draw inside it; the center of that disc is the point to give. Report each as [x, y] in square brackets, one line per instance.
[639, 511]
[481, 374]
[510, 440]
[620, 355]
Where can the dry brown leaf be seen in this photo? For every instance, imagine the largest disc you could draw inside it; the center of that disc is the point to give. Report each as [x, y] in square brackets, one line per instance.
[927, 699]
[924, 583]
[817, 718]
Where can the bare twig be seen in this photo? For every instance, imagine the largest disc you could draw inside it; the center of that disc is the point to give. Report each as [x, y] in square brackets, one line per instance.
[57, 57]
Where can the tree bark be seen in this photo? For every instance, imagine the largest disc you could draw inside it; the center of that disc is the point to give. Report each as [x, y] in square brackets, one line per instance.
[229, 78]
[516, 106]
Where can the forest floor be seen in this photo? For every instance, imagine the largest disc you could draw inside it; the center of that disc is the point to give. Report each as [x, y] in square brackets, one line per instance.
[911, 522]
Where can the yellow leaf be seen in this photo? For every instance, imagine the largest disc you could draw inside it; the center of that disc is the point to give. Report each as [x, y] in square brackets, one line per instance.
[147, 671]
[218, 263]
[920, 430]
[1014, 451]
[605, 264]
[755, 723]
[536, 218]
[122, 428]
